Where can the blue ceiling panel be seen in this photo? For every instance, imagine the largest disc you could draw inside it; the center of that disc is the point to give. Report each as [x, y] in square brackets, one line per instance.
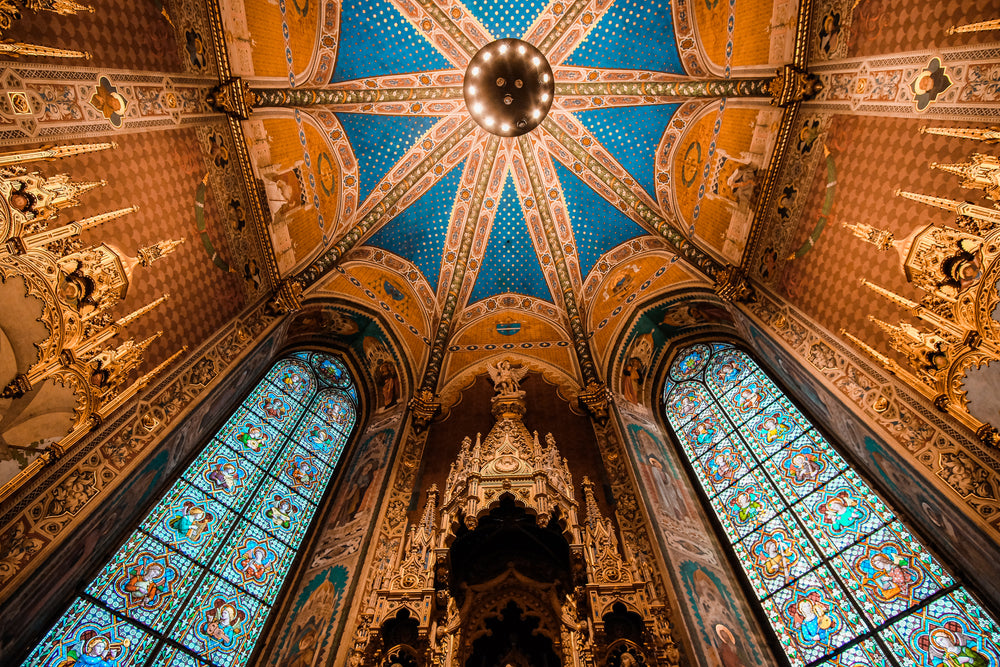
[632, 34]
[510, 263]
[419, 232]
[379, 142]
[631, 135]
[597, 225]
[504, 18]
[375, 39]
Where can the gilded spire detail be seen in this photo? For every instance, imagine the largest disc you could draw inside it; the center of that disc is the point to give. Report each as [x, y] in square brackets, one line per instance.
[136, 314]
[981, 26]
[164, 365]
[50, 153]
[990, 135]
[900, 301]
[886, 362]
[149, 254]
[880, 238]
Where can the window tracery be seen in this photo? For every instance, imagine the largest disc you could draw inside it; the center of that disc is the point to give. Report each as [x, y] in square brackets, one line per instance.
[194, 583]
[840, 579]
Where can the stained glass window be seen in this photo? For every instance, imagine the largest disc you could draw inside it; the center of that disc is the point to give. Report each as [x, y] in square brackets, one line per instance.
[841, 581]
[194, 583]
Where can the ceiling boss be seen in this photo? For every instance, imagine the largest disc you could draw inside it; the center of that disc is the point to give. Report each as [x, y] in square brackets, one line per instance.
[508, 87]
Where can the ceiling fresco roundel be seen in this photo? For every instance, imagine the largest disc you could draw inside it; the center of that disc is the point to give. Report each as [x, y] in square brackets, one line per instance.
[485, 212]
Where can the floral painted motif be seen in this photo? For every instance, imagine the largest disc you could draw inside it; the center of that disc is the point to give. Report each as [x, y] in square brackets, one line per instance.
[109, 102]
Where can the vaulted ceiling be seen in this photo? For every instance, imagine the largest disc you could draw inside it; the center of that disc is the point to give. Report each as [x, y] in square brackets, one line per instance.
[547, 216]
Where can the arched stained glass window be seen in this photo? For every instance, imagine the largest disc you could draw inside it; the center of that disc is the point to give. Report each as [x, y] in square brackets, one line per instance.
[194, 584]
[841, 581]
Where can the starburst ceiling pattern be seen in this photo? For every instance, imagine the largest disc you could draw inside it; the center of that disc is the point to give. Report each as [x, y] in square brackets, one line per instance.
[482, 215]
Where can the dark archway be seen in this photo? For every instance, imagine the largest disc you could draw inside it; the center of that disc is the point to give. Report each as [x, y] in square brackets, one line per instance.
[512, 640]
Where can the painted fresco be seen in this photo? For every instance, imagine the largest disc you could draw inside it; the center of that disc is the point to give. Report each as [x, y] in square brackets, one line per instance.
[309, 632]
[645, 342]
[722, 628]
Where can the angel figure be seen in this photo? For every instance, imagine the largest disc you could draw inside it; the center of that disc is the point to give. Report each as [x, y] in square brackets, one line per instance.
[505, 378]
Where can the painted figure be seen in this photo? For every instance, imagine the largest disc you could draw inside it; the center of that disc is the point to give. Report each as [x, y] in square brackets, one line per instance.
[773, 428]
[280, 512]
[804, 468]
[143, 586]
[254, 565]
[749, 399]
[95, 651]
[293, 383]
[950, 646]
[776, 557]
[723, 467]
[704, 433]
[191, 521]
[321, 439]
[303, 472]
[275, 408]
[810, 618]
[222, 624]
[688, 405]
[252, 438]
[729, 372]
[891, 575]
[841, 512]
[224, 477]
[747, 506]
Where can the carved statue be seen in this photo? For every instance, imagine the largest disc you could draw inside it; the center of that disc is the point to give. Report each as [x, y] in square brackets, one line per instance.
[506, 378]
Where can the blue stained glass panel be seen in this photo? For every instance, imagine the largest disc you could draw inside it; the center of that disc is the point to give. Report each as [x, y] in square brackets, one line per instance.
[691, 363]
[303, 472]
[890, 572]
[88, 635]
[803, 466]
[221, 623]
[169, 656]
[771, 430]
[294, 378]
[841, 513]
[776, 554]
[331, 370]
[843, 583]
[685, 402]
[146, 581]
[225, 475]
[255, 561]
[277, 409]
[189, 520]
[747, 505]
[281, 512]
[724, 464]
[816, 615]
[866, 654]
[951, 631]
[209, 558]
[252, 437]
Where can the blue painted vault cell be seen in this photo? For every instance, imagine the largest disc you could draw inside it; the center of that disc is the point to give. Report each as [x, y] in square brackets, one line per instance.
[504, 18]
[632, 34]
[376, 39]
[380, 141]
[419, 232]
[631, 135]
[597, 225]
[510, 263]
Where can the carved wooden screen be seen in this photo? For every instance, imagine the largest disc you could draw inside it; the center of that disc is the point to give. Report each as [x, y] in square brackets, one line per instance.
[841, 581]
[194, 584]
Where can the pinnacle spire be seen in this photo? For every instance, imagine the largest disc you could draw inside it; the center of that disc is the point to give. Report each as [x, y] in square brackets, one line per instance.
[990, 135]
[880, 238]
[166, 363]
[869, 350]
[53, 152]
[149, 254]
[936, 202]
[900, 301]
[133, 316]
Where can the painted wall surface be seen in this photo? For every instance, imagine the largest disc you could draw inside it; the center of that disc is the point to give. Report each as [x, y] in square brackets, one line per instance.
[712, 602]
[309, 629]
